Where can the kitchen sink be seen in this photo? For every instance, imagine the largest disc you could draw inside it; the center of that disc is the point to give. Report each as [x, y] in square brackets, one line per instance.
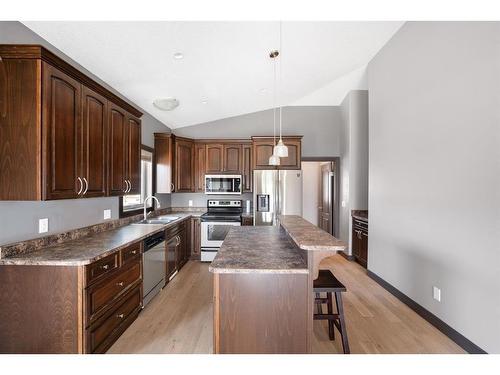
[159, 220]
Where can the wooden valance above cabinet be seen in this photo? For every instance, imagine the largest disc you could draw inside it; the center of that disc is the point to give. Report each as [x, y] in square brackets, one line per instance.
[62, 135]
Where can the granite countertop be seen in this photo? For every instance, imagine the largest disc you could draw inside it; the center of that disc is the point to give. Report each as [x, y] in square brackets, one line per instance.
[262, 249]
[308, 236]
[90, 248]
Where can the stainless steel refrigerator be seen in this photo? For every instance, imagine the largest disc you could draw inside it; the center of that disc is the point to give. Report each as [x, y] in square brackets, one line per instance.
[276, 192]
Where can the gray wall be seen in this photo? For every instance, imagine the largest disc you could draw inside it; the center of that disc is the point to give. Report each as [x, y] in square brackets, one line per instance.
[320, 127]
[434, 173]
[353, 160]
[19, 220]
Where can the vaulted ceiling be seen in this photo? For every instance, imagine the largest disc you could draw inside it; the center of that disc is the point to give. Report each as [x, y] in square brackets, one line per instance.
[225, 70]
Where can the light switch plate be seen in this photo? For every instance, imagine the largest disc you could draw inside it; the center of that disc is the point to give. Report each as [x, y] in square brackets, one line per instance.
[43, 225]
[107, 214]
[190, 203]
[436, 293]
[343, 204]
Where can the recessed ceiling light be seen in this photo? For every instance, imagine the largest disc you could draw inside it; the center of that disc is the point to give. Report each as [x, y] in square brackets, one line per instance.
[204, 101]
[166, 104]
[178, 56]
[263, 90]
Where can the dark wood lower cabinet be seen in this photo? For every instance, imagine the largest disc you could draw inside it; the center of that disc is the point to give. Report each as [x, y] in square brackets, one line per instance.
[70, 309]
[360, 241]
[178, 247]
[195, 238]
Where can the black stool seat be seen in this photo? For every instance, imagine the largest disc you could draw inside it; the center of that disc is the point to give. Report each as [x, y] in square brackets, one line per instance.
[327, 282]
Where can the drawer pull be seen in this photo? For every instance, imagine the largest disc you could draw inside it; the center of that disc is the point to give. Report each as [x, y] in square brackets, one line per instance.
[105, 267]
[120, 283]
[134, 251]
[120, 316]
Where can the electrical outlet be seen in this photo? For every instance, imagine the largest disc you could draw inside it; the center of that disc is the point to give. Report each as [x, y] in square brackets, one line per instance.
[436, 293]
[107, 214]
[43, 225]
[190, 203]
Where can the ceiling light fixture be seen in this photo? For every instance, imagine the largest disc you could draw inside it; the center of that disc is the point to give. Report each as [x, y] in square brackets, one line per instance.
[204, 101]
[178, 56]
[281, 149]
[166, 104]
[274, 159]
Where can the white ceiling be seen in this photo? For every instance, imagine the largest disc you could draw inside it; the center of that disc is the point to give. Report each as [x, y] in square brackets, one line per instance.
[225, 63]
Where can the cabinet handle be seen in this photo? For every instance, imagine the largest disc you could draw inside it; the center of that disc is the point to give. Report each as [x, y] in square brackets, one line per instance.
[120, 316]
[172, 186]
[86, 186]
[129, 186]
[126, 186]
[178, 240]
[134, 251]
[81, 186]
[120, 283]
[105, 267]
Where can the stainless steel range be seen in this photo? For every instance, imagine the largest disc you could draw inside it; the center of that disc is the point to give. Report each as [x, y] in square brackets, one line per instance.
[221, 215]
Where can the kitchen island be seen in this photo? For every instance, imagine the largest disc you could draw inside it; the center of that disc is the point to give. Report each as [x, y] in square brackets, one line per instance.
[263, 298]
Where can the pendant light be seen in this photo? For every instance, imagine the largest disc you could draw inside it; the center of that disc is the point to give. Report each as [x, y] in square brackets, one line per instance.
[280, 149]
[274, 159]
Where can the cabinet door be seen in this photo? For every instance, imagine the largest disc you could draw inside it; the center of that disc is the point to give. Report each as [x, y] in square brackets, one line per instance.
[293, 160]
[92, 145]
[61, 107]
[355, 243]
[164, 163]
[199, 167]
[184, 166]
[214, 158]
[196, 238]
[363, 248]
[262, 151]
[133, 174]
[118, 141]
[246, 170]
[232, 156]
[171, 264]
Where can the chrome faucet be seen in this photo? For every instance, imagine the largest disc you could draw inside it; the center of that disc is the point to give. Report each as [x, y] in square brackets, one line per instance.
[146, 202]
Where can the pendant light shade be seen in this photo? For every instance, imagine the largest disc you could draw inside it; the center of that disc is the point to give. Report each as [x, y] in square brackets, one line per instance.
[280, 150]
[274, 160]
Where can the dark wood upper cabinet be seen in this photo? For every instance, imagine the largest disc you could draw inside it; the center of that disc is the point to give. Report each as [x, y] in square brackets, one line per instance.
[93, 143]
[62, 135]
[263, 149]
[118, 142]
[214, 158]
[200, 163]
[247, 170]
[164, 162]
[61, 100]
[232, 158]
[184, 165]
[133, 155]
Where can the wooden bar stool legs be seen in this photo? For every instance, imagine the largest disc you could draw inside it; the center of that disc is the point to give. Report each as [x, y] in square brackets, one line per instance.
[327, 283]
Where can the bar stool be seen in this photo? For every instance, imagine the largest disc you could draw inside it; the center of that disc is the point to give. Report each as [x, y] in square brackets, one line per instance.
[327, 282]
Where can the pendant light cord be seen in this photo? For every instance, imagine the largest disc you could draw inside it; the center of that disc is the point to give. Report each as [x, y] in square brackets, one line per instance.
[274, 103]
[281, 79]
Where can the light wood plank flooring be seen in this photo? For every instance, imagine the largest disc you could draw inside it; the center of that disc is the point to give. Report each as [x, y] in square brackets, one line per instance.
[179, 319]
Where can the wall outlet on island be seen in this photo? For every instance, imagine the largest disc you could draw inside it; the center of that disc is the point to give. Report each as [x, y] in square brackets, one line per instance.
[190, 203]
[43, 225]
[107, 214]
[436, 293]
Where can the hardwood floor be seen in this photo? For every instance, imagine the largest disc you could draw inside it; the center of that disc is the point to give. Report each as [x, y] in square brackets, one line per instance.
[179, 319]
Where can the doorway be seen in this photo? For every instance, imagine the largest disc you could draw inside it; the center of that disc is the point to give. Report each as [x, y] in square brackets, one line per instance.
[320, 190]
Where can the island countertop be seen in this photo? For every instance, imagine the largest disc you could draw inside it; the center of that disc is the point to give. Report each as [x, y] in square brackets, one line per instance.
[261, 249]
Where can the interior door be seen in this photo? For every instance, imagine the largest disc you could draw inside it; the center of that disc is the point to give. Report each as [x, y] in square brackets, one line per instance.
[61, 102]
[92, 146]
[325, 209]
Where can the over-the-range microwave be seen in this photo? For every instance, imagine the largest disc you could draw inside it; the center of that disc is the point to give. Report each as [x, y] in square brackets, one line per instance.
[222, 184]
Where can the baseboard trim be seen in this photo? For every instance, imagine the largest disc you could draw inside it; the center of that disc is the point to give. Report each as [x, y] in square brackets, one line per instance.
[348, 257]
[457, 337]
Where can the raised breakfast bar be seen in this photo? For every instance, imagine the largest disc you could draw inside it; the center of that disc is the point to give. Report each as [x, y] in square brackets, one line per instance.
[263, 276]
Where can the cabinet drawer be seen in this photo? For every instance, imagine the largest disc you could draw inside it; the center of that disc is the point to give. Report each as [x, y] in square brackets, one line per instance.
[102, 294]
[172, 231]
[130, 253]
[99, 269]
[101, 335]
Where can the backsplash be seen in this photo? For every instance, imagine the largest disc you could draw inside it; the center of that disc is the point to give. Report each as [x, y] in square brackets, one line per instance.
[200, 199]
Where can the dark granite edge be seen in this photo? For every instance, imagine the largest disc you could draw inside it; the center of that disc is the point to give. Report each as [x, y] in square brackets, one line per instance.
[360, 214]
[12, 260]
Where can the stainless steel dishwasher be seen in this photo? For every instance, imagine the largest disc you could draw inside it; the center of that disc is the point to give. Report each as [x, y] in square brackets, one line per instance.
[154, 263]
